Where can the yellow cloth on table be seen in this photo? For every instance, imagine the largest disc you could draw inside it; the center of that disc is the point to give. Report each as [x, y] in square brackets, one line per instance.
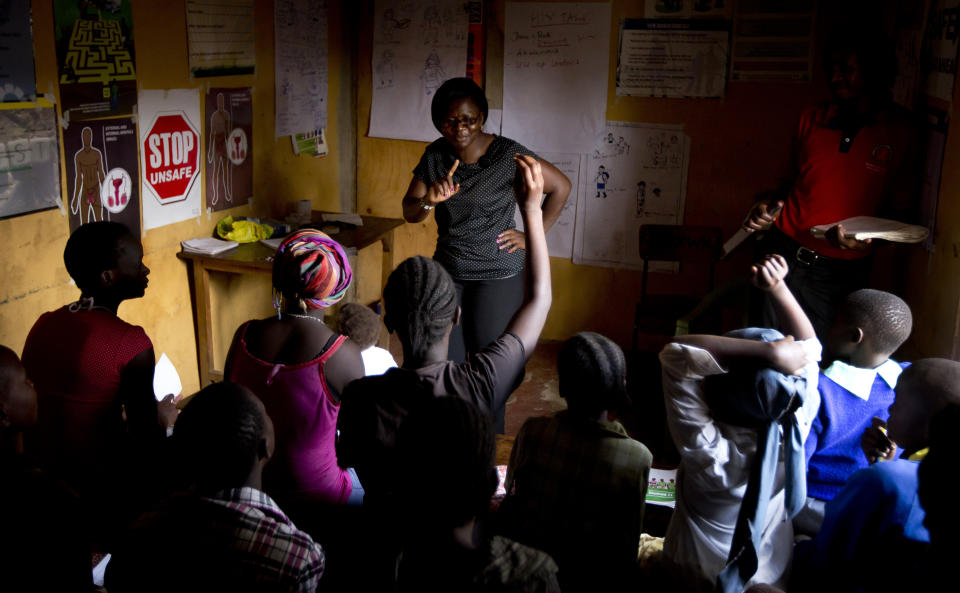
[243, 231]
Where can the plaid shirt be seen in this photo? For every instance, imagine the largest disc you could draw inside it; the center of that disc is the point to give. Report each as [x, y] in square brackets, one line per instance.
[576, 488]
[238, 535]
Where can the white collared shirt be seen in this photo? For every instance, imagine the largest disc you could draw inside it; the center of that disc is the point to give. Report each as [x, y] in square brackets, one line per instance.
[714, 470]
[859, 381]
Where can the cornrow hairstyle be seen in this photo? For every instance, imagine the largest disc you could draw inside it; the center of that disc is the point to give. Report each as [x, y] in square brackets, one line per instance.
[91, 250]
[592, 373]
[464, 458]
[420, 302]
[310, 267]
[217, 436]
[360, 324]
[453, 90]
[884, 317]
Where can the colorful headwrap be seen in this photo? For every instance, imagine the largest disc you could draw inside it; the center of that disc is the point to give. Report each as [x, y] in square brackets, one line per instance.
[312, 266]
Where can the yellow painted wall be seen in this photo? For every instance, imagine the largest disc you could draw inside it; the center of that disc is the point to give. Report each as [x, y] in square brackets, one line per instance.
[33, 277]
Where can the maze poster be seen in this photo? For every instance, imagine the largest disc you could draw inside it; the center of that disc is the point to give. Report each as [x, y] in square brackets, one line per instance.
[228, 151]
[101, 162]
[95, 54]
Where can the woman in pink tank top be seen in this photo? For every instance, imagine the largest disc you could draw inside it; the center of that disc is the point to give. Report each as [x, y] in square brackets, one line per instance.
[298, 367]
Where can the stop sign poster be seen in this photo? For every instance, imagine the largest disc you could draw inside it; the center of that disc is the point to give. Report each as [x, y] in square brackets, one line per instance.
[170, 155]
[229, 147]
[101, 162]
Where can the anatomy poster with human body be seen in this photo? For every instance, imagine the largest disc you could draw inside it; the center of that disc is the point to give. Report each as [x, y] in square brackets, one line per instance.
[636, 174]
[228, 152]
[417, 45]
[102, 175]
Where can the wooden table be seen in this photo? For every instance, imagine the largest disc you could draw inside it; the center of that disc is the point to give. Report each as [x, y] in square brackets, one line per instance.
[255, 258]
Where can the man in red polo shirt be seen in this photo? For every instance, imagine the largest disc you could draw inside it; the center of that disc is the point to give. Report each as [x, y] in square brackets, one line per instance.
[852, 158]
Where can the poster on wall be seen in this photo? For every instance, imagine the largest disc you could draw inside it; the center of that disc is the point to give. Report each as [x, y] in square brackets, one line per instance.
[560, 235]
[773, 41]
[555, 64]
[95, 54]
[688, 9]
[300, 66]
[673, 58]
[29, 161]
[939, 61]
[228, 116]
[635, 175]
[170, 156]
[17, 82]
[220, 37]
[417, 45]
[101, 163]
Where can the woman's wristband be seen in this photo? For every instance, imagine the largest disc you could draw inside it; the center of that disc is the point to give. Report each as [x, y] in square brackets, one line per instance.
[425, 206]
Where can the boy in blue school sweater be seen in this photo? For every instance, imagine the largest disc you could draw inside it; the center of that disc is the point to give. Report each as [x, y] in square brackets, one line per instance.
[859, 385]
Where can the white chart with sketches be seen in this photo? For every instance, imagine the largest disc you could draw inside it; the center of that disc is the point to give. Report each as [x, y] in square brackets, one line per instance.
[300, 63]
[560, 236]
[636, 174]
[417, 44]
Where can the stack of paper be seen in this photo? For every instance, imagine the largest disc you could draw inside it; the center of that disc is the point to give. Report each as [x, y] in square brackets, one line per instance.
[862, 228]
[207, 246]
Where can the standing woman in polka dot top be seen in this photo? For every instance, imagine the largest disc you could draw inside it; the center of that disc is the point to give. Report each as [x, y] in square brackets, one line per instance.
[467, 176]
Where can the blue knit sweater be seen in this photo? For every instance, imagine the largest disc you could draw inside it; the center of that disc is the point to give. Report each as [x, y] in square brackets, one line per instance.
[833, 446]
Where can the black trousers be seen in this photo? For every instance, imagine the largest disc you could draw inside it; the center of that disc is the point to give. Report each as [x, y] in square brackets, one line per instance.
[818, 283]
[486, 307]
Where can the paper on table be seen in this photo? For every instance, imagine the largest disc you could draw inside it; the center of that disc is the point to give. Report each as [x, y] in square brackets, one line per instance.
[862, 228]
[347, 217]
[166, 380]
[662, 487]
[207, 246]
[272, 243]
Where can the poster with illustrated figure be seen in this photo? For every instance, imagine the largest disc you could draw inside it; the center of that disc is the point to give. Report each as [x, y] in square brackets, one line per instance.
[102, 172]
[29, 161]
[417, 45]
[300, 66]
[555, 64]
[94, 40]
[228, 152]
[635, 175]
[560, 235]
[171, 167]
[17, 82]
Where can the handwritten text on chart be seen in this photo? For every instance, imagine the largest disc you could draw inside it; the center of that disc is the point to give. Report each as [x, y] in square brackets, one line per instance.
[551, 19]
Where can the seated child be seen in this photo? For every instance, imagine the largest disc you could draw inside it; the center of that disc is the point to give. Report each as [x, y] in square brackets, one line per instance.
[43, 546]
[421, 306]
[362, 326]
[937, 476]
[577, 482]
[726, 400]
[225, 533]
[447, 545]
[878, 515]
[90, 367]
[858, 385]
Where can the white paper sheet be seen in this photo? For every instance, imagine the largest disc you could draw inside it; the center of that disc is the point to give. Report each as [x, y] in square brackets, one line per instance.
[166, 380]
[555, 63]
[636, 174]
[417, 45]
[300, 65]
[150, 105]
[560, 236]
[494, 122]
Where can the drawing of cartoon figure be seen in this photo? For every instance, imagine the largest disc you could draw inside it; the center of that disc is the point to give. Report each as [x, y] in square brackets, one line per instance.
[601, 179]
[88, 177]
[641, 197]
[220, 126]
[656, 156]
[384, 70]
[609, 137]
[675, 156]
[433, 75]
[391, 24]
[431, 25]
[622, 146]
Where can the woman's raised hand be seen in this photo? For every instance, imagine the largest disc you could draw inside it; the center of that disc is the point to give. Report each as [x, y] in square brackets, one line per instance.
[441, 190]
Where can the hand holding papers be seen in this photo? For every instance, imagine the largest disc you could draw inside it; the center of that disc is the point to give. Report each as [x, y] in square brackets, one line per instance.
[863, 228]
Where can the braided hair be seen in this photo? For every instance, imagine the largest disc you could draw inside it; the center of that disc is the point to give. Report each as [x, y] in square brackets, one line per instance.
[217, 436]
[420, 302]
[311, 268]
[592, 373]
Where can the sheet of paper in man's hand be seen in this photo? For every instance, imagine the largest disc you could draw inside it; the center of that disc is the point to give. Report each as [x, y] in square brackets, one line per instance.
[166, 380]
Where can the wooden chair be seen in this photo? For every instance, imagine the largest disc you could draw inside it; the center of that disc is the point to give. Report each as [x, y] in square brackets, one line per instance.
[695, 249]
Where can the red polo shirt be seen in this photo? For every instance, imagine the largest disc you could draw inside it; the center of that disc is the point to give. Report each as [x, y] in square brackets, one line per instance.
[840, 175]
